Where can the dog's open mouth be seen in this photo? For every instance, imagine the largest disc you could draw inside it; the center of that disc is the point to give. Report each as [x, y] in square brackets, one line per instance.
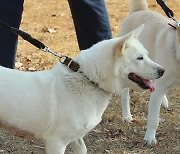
[143, 83]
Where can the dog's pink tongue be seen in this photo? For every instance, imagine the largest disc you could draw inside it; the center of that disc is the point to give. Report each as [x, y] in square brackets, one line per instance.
[149, 84]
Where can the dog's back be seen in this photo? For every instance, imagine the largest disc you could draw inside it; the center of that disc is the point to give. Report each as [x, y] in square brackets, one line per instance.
[139, 14]
[154, 24]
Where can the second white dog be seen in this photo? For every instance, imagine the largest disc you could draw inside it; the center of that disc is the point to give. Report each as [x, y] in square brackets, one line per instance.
[163, 43]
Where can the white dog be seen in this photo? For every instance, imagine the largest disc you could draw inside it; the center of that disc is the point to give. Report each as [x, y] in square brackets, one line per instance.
[163, 42]
[60, 106]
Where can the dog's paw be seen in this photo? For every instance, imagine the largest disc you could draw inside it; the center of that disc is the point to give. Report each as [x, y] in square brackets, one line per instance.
[150, 140]
[165, 102]
[127, 118]
[150, 143]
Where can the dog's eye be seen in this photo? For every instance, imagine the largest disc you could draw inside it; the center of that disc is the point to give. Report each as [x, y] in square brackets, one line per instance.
[140, 58]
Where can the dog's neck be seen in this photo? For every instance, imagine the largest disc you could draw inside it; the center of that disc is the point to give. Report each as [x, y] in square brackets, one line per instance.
[94, 83]
[75, 67]
[99, 71]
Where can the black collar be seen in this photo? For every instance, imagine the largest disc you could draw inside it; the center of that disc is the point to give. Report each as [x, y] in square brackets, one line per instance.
[70, 63]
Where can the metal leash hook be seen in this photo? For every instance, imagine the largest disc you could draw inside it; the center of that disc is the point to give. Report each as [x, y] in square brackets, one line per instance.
[47, 49]
[173, 18]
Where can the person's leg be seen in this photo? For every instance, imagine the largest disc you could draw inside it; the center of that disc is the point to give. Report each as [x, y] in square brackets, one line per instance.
[91, 21]
[11, 13]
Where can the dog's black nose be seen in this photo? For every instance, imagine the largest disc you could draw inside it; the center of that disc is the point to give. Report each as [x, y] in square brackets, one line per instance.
[161, 72]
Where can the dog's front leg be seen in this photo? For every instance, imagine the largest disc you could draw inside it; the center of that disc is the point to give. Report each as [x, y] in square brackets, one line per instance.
[79, 146]
[153, 117]
[54, 145]
[161, 87]
[125, 100]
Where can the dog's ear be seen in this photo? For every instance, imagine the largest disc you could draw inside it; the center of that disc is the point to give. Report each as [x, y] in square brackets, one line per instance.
[136, 32]
[122, 43]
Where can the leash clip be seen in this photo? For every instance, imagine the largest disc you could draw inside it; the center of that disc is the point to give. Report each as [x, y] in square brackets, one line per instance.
[47, 49]
[173, 18]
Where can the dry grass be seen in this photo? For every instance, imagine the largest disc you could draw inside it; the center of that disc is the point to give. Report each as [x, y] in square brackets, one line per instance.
[51, 22]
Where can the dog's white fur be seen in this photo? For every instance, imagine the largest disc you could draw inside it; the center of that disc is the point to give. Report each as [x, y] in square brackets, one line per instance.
[163, 42]
[60, 106]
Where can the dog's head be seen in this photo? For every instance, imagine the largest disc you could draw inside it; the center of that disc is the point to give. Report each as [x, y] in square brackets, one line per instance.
[136, 68]
[119, 63]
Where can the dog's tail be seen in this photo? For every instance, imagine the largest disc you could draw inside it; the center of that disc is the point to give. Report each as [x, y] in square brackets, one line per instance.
[138, 5]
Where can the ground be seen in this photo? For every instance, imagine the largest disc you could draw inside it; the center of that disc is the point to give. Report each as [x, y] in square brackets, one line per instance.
[51, 22]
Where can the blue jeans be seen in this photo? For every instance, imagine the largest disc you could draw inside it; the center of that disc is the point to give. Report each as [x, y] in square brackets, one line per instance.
[91, 21]
[11, 13]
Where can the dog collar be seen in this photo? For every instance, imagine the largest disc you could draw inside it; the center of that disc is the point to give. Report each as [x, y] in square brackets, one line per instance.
[70, 63]
[174, 26]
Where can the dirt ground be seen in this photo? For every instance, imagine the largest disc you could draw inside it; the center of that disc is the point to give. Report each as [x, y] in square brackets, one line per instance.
[51, 22]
